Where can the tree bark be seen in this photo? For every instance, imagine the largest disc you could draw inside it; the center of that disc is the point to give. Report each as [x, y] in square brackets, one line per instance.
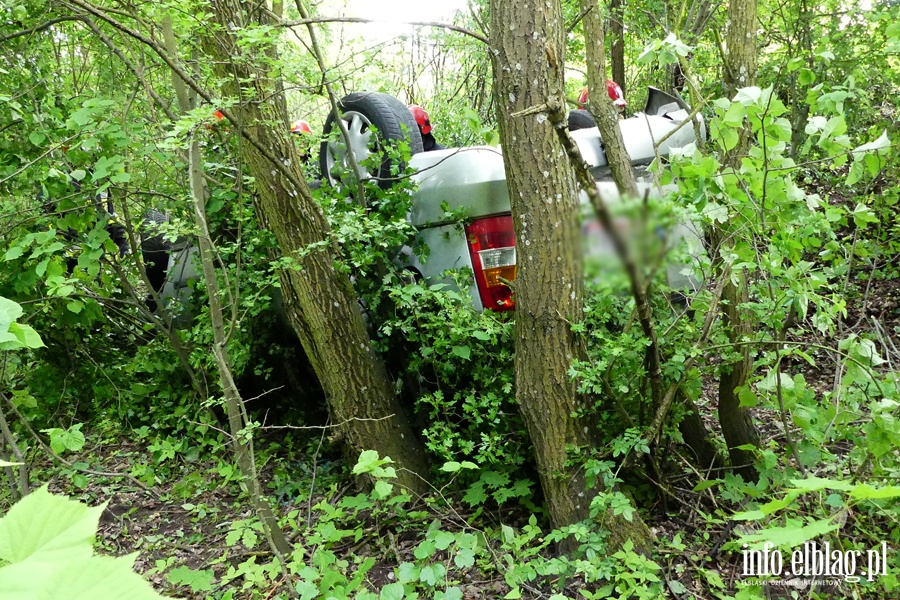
[234, 403]
[319, 300]
[740, 66]
[600, 104]
[527, 52]
[617, 42]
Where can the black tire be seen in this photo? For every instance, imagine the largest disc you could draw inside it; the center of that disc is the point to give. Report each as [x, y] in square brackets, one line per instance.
[155, 251]
[388, 115]
[580, 119]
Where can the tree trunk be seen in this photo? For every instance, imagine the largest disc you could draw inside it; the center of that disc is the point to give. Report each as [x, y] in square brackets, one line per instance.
[600, 104]
[527, 50]
[617, 42]
[737, 425]
[234, 403]
[319, 300]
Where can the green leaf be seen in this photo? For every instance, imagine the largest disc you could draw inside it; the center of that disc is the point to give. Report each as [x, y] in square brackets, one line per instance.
[14, 253]
[881, 143]
[806, 77]
[392, 591]
[70, 439]
[791, 535]
[863, 215]
[198, 581]
[463, 352]
[368, 460]
[747, 397]
[383, 489]
[715, 212]
[453, 593]
[815, 484]
[465, 558]
[79, 118]
[52, 527]
[735, 114]
[866, 492]
[407, 573]
[508, 534]
[26, 336]
[514, 594]
[706, 484]
[475, 494]
[834, 127]
[9, 311]
[748, 96]
[307, 590]
[677, 587]
[433, 574]
[451, 467]
[425, 549]
[779, 503]
[748, 515]
[86, 578]
[36, 138]
[443, 539]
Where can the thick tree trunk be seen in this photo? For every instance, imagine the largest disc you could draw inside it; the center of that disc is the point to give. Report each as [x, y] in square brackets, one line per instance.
[740, 65]
[527, 51]
[319, 300]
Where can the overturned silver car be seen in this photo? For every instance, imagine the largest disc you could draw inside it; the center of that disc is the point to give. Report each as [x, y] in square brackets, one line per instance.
[472, 182]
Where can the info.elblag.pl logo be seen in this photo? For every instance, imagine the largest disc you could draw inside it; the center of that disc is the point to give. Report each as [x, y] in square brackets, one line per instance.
[815, 560]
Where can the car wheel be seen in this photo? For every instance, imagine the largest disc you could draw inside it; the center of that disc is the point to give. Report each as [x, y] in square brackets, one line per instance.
[372, 119]
[155, 250]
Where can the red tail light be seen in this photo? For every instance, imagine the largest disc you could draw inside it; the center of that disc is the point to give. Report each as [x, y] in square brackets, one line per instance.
[492, 246]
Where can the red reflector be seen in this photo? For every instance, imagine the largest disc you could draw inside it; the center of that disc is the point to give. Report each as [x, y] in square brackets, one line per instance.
[492, 246]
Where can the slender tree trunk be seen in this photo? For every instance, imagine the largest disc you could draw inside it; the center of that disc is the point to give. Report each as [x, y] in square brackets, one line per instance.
[319, 300]
[18, 475]
[600, 104]
[234, 404]
[617, 42]
[740, 65]
[799, 106]
[527, 51]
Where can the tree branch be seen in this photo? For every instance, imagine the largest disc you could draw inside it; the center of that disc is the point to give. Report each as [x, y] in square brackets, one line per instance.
[173, 64]
[312, 20]
[38, 28]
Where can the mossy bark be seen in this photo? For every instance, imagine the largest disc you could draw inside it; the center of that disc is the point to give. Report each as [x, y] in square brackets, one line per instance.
[527, 49]
[319, 299]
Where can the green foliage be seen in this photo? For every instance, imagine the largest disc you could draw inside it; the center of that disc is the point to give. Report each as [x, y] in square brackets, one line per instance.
[46, 546]
[62, 440]
[15, 335]
[197, 581]
[813, 213]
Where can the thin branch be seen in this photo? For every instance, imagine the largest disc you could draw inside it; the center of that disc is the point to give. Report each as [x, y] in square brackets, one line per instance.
[174, 64]
[41, 27]
[312, 20]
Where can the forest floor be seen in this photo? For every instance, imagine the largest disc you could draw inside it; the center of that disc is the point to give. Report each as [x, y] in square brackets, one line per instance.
[190, 519]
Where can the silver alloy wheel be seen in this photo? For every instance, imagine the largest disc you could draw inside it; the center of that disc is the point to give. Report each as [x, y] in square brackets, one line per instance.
[360, 133]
